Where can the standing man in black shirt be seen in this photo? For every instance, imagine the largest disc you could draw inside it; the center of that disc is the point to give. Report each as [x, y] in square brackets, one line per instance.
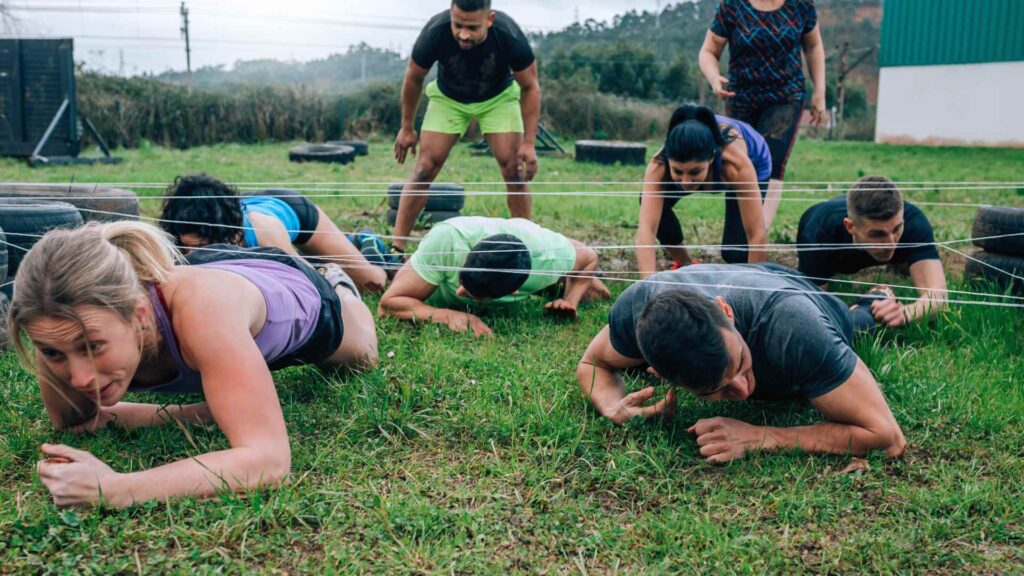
[869, 226]
[738, 332]
[485, 71]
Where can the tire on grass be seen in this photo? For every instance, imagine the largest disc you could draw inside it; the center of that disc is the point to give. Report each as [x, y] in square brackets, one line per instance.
[426, 218]
[443, 197]
[24, 220]
[362, 147]
[95, 203]
[1003, 263]
[611, 151]
[993, 221]
[322, 153]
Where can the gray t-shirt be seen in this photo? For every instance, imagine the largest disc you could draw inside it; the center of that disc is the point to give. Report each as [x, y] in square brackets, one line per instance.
[799, 343]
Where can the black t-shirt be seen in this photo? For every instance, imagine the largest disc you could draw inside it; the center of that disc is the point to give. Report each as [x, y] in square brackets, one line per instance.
[477, 74]
[799, 336]
[823, 224]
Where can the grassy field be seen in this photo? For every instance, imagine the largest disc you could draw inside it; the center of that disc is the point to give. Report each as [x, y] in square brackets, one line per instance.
[479, 456]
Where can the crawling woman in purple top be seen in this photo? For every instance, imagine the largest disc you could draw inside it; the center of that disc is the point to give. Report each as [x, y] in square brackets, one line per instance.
[705, 153]
[111, 308]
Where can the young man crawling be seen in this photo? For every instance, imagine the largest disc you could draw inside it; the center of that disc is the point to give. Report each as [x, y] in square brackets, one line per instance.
[869, 226]
[738, 332]
[468, 261]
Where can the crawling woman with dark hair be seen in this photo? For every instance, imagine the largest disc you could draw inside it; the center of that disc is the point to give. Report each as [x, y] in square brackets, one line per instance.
[201, 210]
[705, 153]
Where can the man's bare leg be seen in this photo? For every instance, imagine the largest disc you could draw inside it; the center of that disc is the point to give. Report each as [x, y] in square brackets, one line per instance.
[434, 150]
[505, 146]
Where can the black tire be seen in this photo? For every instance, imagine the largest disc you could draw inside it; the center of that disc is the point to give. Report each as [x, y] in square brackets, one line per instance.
[999, 221]
[24, 220]
[95, 203]
[322, 153]
[449, 197]
[362, 147]
[1012, 264]
[611, 151]
[426, 218]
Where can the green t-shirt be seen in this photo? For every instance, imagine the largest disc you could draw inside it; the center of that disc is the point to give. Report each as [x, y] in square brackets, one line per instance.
[444, 249]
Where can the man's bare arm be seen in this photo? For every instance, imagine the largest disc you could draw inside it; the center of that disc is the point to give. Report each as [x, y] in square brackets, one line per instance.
[858, 421]
[406, 299]
[599, 373]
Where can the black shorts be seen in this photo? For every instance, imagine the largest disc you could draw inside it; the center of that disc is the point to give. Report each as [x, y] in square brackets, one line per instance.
[330, 328]
[778, 123]
[309, 216]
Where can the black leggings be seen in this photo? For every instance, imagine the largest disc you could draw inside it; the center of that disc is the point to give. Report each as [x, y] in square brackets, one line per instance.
[309, 216]
[778, 123]
[670, 231]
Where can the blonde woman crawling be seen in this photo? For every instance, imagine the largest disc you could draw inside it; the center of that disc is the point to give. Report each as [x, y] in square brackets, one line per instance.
[110, 309]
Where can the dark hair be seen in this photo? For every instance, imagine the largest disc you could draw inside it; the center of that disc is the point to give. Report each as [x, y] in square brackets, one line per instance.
[205, 206]
[874, 198]
[680, 336]
[472, 5]
[488, 269]
[694, 134]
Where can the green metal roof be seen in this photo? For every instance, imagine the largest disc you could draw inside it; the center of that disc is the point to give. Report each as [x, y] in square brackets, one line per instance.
[933, 32]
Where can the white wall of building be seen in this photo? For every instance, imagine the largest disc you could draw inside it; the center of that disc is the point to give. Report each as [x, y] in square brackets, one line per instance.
[973, 104]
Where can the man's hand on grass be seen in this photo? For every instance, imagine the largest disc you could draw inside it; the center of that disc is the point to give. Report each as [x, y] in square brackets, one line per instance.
[632, 406]
[461, 321]
[724, 439]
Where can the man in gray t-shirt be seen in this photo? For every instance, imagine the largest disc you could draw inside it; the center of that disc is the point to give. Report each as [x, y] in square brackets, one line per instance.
[732, 332]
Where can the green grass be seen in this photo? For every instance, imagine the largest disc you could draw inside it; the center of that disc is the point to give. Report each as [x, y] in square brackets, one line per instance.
[479, 456]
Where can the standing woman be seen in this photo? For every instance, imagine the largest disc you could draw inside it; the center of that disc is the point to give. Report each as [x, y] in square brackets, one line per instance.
[705, 153]
[765, 86]
[109, 310]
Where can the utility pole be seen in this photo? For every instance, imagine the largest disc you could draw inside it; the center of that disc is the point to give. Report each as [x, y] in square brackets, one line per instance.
[576, 14]
[657, 16]
[120, 68]
[188, 46]
[364, 65]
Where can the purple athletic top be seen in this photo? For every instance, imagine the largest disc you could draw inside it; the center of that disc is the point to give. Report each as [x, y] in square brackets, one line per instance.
[293, 306]
[757, 149]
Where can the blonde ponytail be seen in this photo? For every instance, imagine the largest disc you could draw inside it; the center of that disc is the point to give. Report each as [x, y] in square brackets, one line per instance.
[100, 264]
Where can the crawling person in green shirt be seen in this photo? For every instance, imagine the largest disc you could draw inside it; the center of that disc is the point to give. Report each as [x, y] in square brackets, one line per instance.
[470, 260]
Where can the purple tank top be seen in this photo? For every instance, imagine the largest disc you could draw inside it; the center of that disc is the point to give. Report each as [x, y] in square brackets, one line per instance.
[293, 306]
[757, 149]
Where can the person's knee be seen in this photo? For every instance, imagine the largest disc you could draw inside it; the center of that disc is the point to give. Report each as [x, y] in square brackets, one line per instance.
[427, 167]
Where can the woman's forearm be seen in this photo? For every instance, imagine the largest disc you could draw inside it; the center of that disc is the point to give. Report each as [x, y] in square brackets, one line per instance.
[207, 475]
[710, 66]
[131, 415]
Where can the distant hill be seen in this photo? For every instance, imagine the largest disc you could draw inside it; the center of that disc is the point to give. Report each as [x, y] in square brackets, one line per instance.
[360, 66]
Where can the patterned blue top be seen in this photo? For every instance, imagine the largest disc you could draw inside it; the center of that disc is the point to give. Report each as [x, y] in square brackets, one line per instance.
[765, 48]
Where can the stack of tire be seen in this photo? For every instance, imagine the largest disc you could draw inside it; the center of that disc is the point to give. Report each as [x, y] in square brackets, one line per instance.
[27, 212]
[333, 152]
[445, 201]
[611, 152]
[999, 231]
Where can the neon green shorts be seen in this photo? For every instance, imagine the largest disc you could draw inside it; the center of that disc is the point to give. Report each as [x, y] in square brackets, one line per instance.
[497, 115]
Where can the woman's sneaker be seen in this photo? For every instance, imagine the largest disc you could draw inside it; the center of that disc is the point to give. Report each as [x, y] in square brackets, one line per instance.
[336, 276]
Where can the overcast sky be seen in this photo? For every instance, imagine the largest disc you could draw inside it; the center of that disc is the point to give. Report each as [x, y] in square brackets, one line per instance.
[147, 32]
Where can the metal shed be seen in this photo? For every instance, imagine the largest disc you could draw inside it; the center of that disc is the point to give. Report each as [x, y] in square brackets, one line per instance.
[952, 72]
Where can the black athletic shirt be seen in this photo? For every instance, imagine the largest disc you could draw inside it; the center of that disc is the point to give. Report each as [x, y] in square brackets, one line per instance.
[477, 74]
[823, 224]
[799, 336]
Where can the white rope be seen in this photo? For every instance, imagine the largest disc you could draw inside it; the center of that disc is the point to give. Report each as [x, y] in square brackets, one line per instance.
[650, 280]
[785, 248]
